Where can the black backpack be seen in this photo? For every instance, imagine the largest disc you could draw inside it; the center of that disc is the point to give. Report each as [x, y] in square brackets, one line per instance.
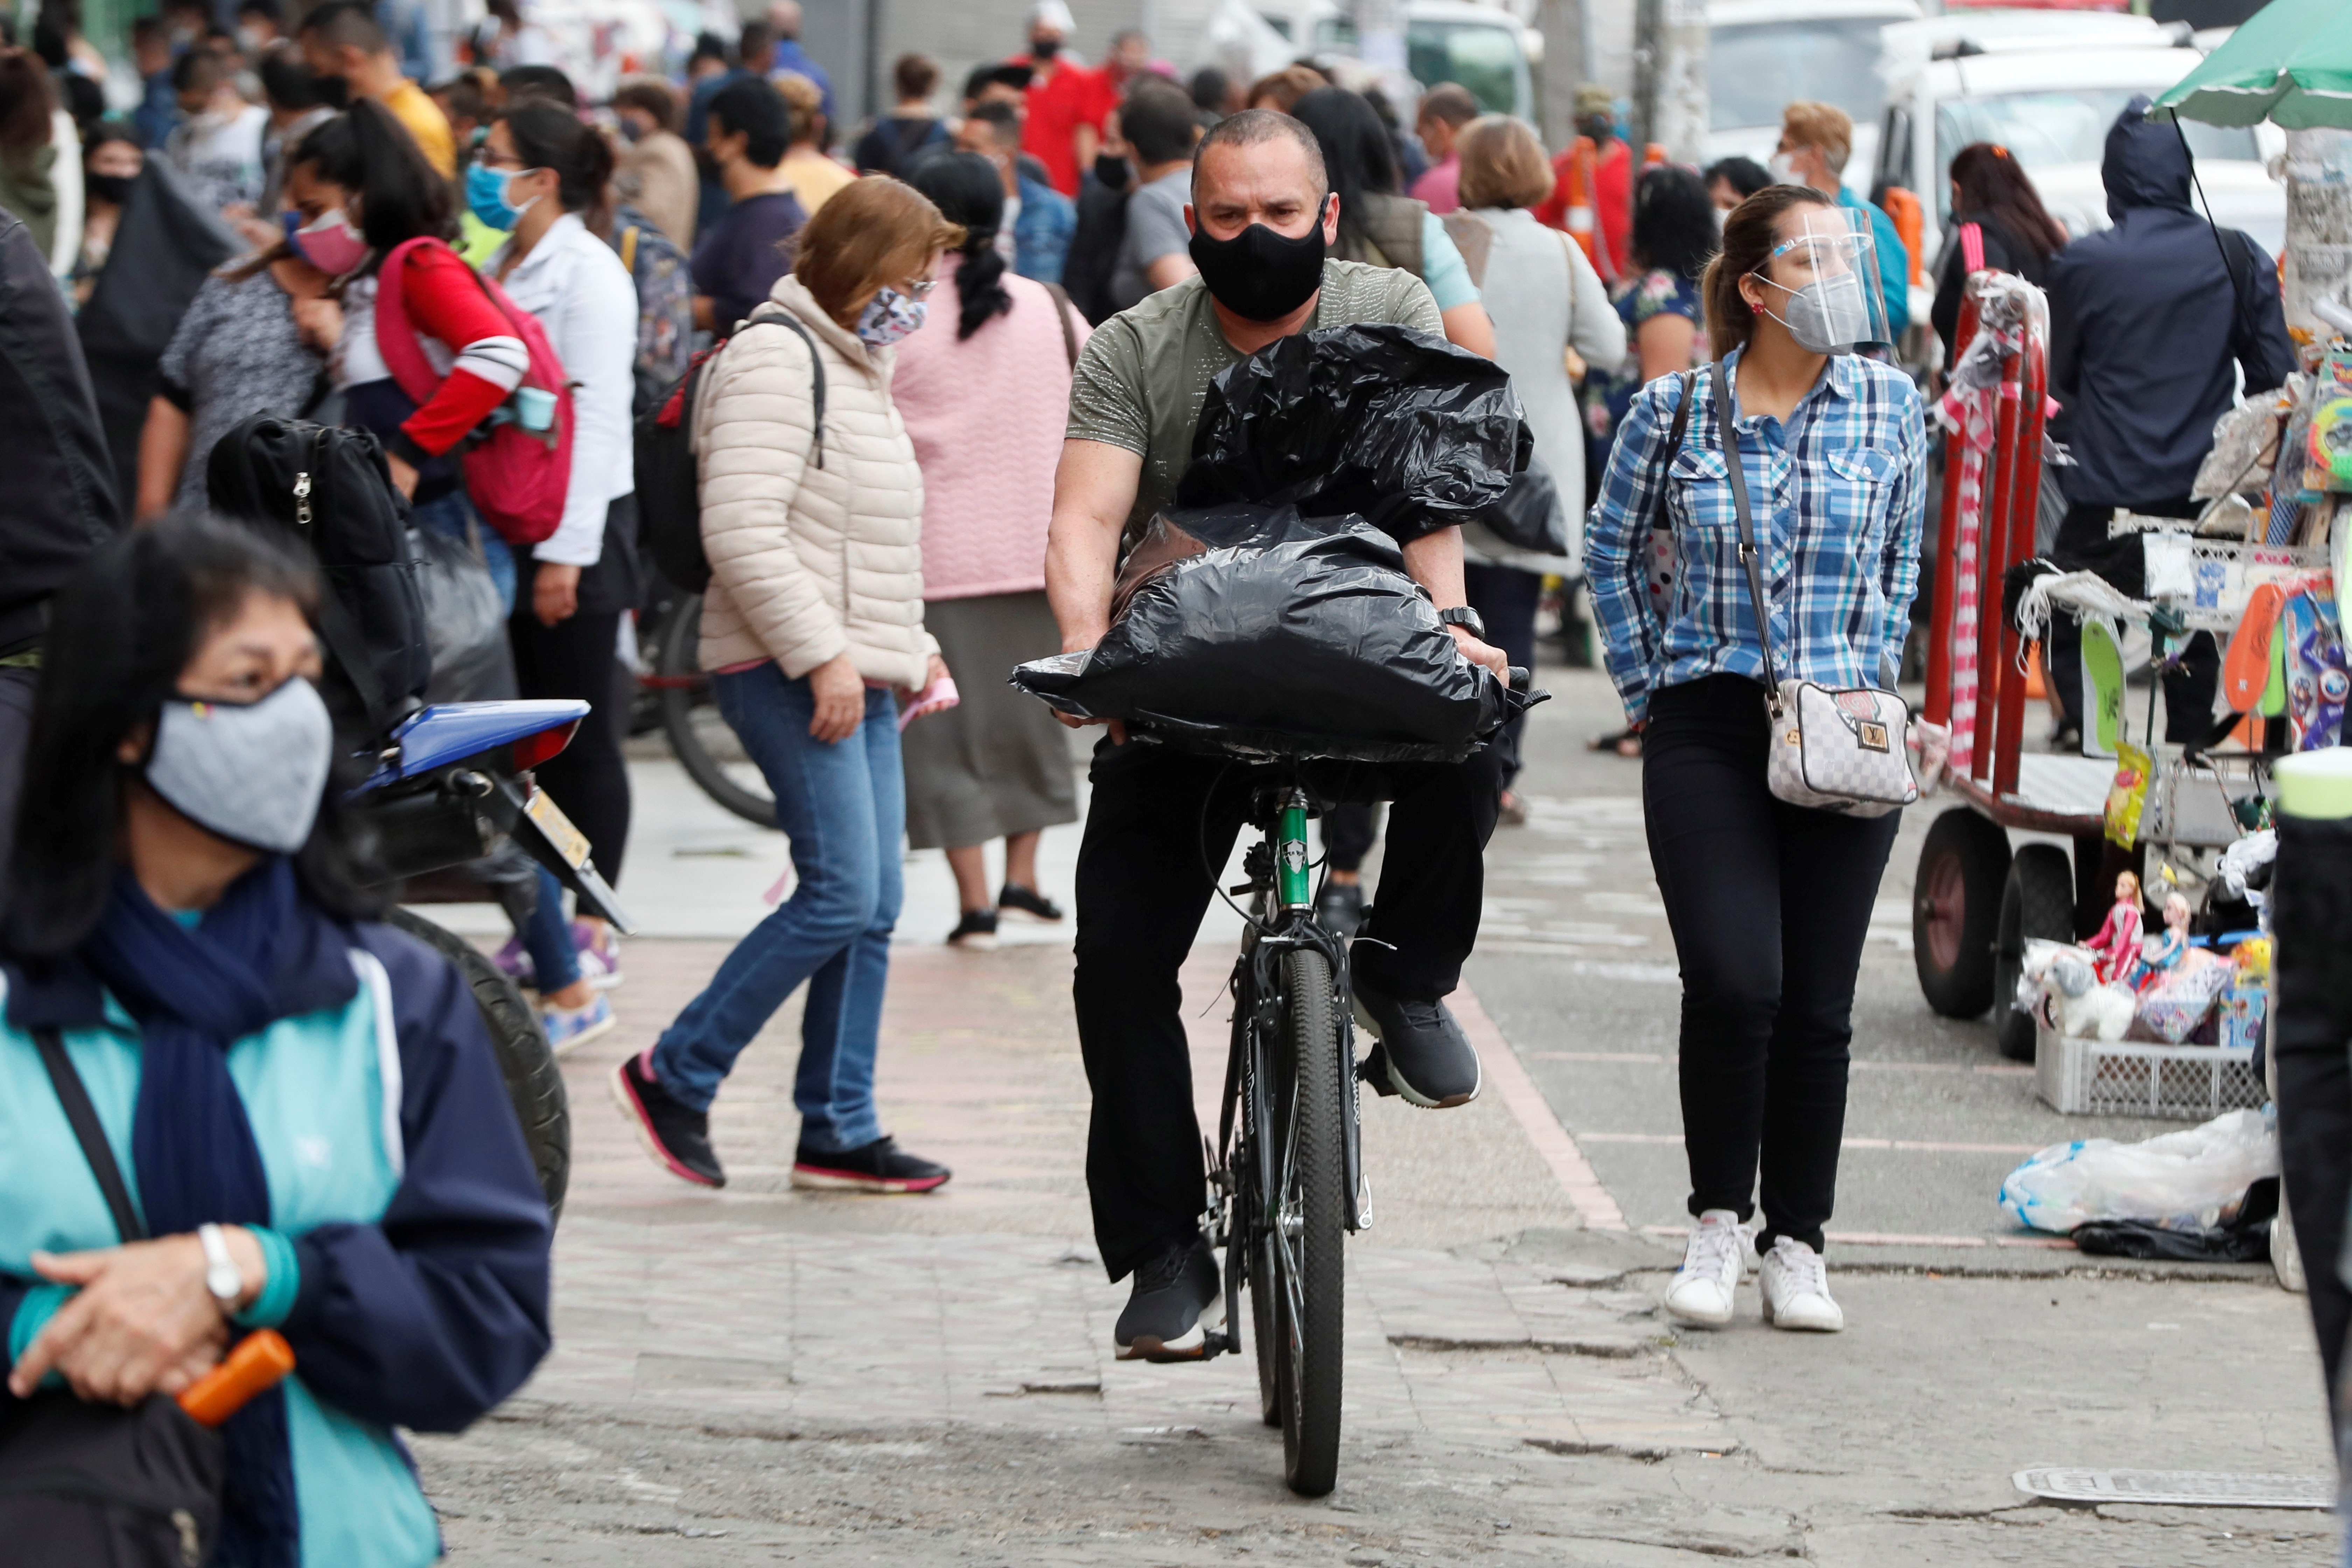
[329, 489]
[669, 487]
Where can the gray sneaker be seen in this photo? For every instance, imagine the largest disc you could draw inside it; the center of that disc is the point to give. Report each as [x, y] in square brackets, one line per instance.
[1422, 1053]
[1177, 1296]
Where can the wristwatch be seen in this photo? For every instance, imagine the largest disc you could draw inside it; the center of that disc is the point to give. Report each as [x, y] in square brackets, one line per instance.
[223, 1278]
[1465, 617]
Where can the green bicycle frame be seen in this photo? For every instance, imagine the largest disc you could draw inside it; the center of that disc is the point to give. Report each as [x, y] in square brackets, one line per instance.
[1290, 881]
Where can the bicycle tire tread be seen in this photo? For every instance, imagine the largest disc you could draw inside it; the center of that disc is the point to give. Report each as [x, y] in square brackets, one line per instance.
[1311, 1421]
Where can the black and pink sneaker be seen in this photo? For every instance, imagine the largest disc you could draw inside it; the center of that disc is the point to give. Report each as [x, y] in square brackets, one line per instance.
[880, 1166]
[678, 1137]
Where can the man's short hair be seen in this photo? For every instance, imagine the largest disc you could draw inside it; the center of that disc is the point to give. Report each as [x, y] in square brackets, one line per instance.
[348, 24]
[1004, 123]
[983, 77]
[753, 107]
[1450, 102]
[756, 38]
[914, 76]
[1824, 127]
[1252, 127]
[199, 70]
[285, 81]
[1157, 121]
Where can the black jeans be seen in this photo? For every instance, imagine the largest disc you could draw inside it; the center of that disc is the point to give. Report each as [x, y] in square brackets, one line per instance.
[1769, 904]
[1506, 599]
[1142, 888]
[2312, 913]
[576, 658]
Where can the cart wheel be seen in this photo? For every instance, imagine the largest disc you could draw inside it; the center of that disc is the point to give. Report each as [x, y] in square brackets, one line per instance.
[1956, 900]
[2038, 901]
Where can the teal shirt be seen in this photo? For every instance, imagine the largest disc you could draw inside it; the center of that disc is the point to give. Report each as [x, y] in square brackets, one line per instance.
[322, 1093]
[1893, 260]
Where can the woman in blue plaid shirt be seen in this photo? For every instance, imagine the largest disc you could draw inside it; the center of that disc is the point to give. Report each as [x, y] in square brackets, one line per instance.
[1769, 903]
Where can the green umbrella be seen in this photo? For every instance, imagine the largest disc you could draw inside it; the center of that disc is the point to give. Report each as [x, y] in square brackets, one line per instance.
[2291, 63]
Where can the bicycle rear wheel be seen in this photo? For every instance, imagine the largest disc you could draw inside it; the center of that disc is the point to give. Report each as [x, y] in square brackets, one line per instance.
[1310, 1224]
[704, 744]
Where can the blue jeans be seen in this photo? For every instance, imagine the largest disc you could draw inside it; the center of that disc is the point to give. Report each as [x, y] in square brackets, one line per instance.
[844, 807]
[453, 516]
[547, 939]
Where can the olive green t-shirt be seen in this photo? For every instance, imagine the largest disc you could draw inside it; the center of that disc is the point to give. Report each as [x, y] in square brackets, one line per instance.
[1145, 373]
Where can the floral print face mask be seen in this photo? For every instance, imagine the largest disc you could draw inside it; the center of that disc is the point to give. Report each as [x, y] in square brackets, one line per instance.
[888, 317]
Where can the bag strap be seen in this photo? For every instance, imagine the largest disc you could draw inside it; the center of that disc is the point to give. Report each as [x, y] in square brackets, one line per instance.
[396, 339]
[1736, 466]
[83, 1118]
[629, 250]
[1972, 247]
[776, 315]
[1660, 518]
[1062, 320]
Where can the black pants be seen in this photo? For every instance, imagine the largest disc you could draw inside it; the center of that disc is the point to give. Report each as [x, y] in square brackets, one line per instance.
[1769, 904]
[1141, 891]
[2312, 913]
[575, 657]
[1506, 599]
[2082, 545]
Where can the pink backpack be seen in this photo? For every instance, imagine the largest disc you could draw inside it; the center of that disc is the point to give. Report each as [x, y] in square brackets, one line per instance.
[517, 479]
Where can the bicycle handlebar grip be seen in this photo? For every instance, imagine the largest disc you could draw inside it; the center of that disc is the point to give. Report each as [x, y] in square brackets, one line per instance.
[1521, 678]
[254, 1367]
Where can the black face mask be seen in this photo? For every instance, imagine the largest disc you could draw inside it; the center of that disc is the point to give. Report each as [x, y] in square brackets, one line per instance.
[334, 91]
[1045, 49]
[115, 188]
[1112, 171]
[1259, 274]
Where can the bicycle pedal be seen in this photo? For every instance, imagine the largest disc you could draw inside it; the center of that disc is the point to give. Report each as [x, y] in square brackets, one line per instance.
[1374, 1070]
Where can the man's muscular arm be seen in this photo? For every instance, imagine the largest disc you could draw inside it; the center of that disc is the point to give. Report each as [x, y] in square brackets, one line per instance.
[1094, 489]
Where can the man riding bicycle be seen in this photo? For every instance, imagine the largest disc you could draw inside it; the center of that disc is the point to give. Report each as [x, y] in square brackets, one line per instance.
[1163, 822]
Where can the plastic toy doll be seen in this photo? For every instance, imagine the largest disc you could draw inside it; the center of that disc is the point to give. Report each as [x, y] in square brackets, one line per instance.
[2117, 944]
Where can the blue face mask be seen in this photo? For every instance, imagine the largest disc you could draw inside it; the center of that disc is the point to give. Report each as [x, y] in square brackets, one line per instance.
[486, 195]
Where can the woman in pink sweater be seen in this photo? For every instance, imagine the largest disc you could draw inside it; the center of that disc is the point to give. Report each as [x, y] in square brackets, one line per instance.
[985, 397]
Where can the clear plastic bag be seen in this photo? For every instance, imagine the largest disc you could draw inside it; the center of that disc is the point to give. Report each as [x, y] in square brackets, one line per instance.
[2188, 1181]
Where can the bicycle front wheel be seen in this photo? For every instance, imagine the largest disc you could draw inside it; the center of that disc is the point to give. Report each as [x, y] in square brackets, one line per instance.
[1310, 1224]
[699, 735]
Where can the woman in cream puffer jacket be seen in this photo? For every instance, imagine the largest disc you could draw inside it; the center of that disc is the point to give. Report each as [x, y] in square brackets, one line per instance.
[815, 613]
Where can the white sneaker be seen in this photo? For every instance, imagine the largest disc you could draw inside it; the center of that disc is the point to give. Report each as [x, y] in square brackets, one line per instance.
[1701, 1289]
[1797, 1290]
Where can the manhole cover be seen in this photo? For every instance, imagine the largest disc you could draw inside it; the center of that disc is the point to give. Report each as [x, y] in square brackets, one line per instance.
[2187, 1488]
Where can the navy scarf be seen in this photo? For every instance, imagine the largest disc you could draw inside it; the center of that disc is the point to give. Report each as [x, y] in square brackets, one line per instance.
[264, 952]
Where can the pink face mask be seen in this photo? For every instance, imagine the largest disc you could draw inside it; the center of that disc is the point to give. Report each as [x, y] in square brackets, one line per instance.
[331, 245]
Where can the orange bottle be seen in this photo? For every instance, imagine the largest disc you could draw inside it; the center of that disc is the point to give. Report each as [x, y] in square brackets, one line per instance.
[255, 1366]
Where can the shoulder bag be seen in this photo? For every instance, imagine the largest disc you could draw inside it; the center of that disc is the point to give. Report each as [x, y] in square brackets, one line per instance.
[96, 1486]
[1838, 749]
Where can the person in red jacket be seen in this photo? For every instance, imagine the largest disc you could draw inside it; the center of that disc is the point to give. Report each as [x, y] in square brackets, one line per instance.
[1069, 100]
[363, 159]
[1593, 200]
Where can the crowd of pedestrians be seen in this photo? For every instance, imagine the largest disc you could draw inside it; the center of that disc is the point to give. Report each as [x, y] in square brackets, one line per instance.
[957, 369]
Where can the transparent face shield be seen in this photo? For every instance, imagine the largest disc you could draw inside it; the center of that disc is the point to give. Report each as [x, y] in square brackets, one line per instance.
[1820, 280]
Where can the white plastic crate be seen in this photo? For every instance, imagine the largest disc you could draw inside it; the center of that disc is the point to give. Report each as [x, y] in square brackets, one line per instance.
[2131, 1078]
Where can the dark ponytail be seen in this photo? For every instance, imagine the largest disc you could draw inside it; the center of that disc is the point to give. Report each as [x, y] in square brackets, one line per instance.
[549, 136]
[369, 153]
[966, 190]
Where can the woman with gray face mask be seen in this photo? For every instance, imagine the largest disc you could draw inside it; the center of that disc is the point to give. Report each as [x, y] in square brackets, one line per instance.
[1769, 901]
[303, 1100]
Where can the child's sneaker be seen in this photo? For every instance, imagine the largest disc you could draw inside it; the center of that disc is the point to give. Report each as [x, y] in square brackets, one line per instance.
[514, 961]
[568, 1029]
[603, 944]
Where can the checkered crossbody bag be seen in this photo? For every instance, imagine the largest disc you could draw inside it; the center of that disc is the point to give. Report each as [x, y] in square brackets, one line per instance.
[1840, 749]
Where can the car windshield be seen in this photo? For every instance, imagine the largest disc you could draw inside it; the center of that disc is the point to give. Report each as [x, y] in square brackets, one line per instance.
[1755, 71]
[1479, 56]
[2068, 125]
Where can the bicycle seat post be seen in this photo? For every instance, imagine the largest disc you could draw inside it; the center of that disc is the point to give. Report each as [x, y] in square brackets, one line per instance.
[1292, 890]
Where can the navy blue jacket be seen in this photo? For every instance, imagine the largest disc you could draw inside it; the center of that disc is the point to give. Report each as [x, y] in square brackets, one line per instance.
[2146, 322]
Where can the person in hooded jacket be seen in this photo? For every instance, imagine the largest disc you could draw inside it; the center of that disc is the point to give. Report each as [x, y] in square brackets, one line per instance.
[2151, 321]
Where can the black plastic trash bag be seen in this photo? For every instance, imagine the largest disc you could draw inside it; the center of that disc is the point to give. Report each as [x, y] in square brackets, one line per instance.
[1254, 630]
[2243, 1239]
[1383, 422]
[465, 622]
